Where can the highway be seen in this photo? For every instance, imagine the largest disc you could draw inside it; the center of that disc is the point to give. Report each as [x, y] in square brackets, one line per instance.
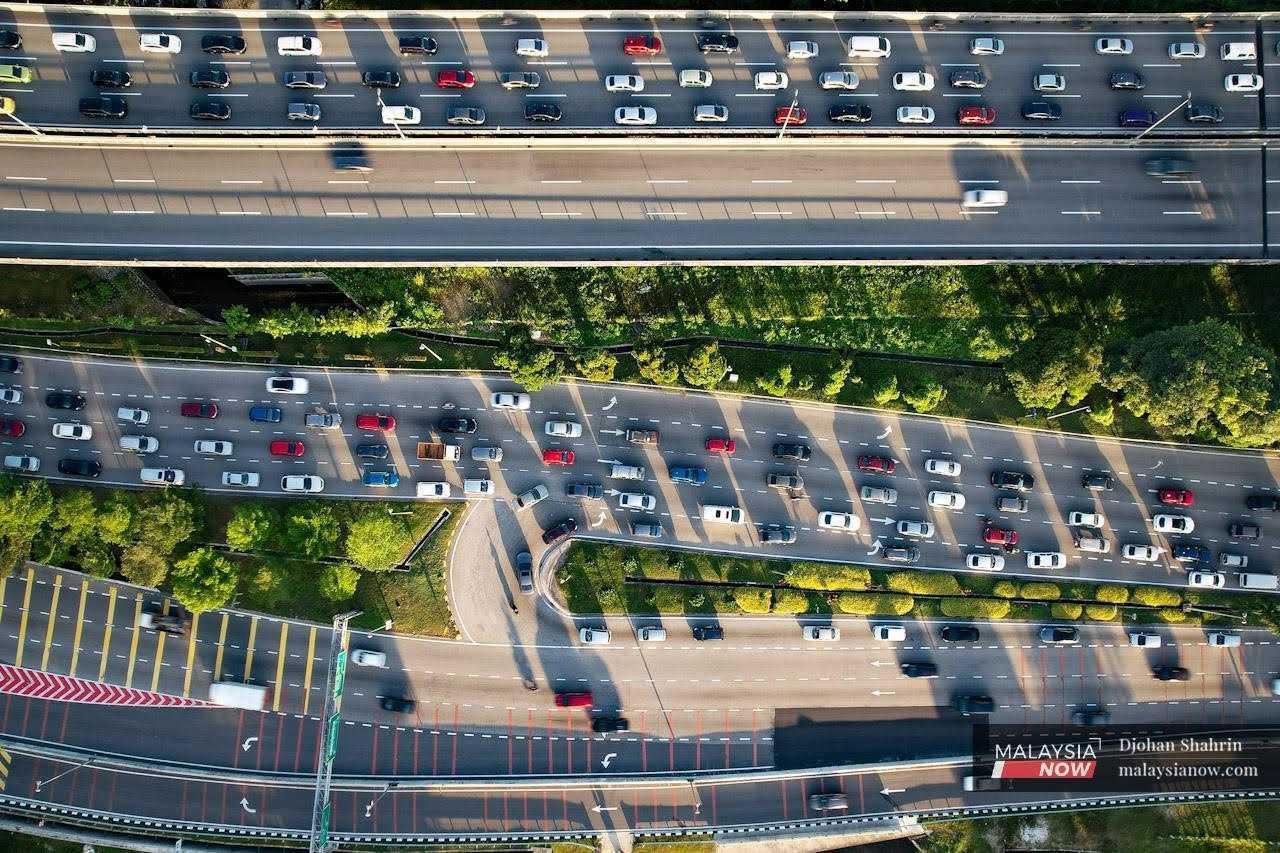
[582, 52]
[254, 204]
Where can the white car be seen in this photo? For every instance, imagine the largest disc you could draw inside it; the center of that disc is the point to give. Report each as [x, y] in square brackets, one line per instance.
[696, 78]
[1206, 580]
[879, 495]
[298, 46]
[1243, 82]
[301, 483]
[477, 488]
[241, 479]
[802, 49]
[651, 635]
[916, 529]
[368, 657]
[1222, 639]
[838, 80]
[594, 636]
[10, 395]
[486, 454]
[1046, 559]
[635, 500]
[1164, 522]
[889, 633]
[984, 198]
[401, 115]
[214, 447]
[1233, 561]
[159, 43]
[139, 443]
[1186, 50]
[635, 115]
[435, 489]
[1143, 640]
[946, 500]
[1113, 46]
[287, 385]
[722, 514]
[1049, 83]
[984, 562]
[509, 400]
[771, 81]
[72, 431]
[846, 521]
[711, 112]
[915, 115]
[913, 81]
[987, 46]
[624, 83]
[163, 476]
[820, 633]
[74, 43]
[1085, 519]
[536, 48]
[536, 495]
[563, 429]
[1142, 553]
[942, 467]
[29, 464]
[130, 415]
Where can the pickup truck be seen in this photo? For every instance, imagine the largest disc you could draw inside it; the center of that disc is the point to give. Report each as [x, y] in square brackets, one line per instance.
[642, 436]
[438, 450]
[323, 420]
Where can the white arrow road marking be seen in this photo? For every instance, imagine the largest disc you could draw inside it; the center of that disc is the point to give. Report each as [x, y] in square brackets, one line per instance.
[875, 547]
[609, 461]
[888, 791]
[599, 521]
[881, 663]
[610, 432]
[885, 434]
[598, 809]
[613, 401]
[613, 493]
[244, 804]
[883, 692]
[885, 520]
[604, 762]
[248, 742]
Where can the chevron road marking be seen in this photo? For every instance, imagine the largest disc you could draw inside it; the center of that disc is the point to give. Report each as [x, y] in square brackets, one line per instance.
[22, 624]
[63, 688]
[75, 642]
[5, 761]
[53, 621]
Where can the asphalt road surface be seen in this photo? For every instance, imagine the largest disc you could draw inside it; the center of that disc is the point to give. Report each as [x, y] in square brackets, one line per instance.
[659, 201]
[583, 53]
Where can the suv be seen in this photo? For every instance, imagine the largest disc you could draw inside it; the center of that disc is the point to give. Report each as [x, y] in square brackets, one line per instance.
[418, 45]
[1060, 636]
[305, 79]
[642, 436]
[380, 79]
[1098, 482]
[703, 633]
[1014, 480]
[798, 452]
[1266, 502]
[1244, 530]
[959, 634]
[717, 43]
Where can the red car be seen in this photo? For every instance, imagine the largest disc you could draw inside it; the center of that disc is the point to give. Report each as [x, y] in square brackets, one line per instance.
[790, 115]
[642, 45]
[876, 465]
[199, 410]
[1177, 497]
[288, 448]
[574, 700]
[458, 78]
[556, 456]
[12, 427]
[999, 536]
[376, 423]
[727, 446]
[976, 115]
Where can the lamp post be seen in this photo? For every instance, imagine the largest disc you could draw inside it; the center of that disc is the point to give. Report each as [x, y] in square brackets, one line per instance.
[1162, 119]
[795, 102]
[387, 789]
[42, 782]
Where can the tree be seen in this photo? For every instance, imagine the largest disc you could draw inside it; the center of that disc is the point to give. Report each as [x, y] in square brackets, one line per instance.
[75, 515]
[25, 507]
[777, 384]
[311, 530]
[115, 518]
[203, 580]
[377, 541]
[530, 365]
[337, 581]
[653, 366]
[238, 320]
[597, 365]
[143, 565]
[165, 520]
[706, 367]
[252, 527]
[885, 391]
[926, 396]
[1058, 364]
[840, 376]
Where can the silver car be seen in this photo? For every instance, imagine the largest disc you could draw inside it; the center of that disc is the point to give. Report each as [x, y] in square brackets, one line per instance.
[838, 80]
[711, 112]
[520, 80]
[303, 111]
[305, 79]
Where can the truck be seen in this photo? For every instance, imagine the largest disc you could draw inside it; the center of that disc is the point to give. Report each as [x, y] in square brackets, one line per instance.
[439, 451]
[236, 694]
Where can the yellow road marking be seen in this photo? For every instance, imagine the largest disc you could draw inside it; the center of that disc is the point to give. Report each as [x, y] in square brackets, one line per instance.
[106, 634]
[5, 760]
[53, 623]
[306, 679]
[191, 655]
[248, 656]
[4, 582]
[22, 624]
[284, 635]
[155, 670]
[133, 641]
[222, 644]
[75, 642]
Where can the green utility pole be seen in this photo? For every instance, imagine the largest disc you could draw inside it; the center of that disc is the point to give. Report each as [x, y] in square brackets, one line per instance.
[322, 811]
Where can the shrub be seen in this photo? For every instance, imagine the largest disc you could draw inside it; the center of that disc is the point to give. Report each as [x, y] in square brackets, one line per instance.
[706, 367]
[1156, 596]
[790, 601]
[597, 365]
[378, 542]
[838, 378]
[1040, 591]
[1171, 614]
[924, 583]
[203, 580]
[1102, 612]
[828, 577]
[1005, 589]
[337, 582]
[926, 396]
[886, 391]
[1103, 414]
[653, 367]
[1065, 610]
[974, 608]
[751, 599]
[777, 384]
[1112, 593]
[874, 604]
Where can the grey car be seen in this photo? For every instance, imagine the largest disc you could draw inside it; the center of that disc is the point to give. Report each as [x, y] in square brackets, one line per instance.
[466, 116]
[305, 79]
[969, 78]
[520, 80]
[590, 491]
[486, 454]
[303, 111]
[524, 571]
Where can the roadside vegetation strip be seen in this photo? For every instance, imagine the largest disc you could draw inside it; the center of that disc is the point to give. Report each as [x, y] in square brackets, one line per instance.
[613, 579]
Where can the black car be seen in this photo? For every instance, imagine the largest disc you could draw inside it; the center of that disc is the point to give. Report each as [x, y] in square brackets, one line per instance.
[524, 571]
[1171, 673]
[1129, 81]
[397, 705]
[1169, 167]
[373, 451]
[1041, 111]
[610, 724]
[922, 669]
[854, 113]
[777, 534]
[584, 490]
[717, 43]
[381, 79]
[472, 116]
[1204, 114]
[973, 704]
[1253, 501]
[212, 110]
[10, 364]
[1091, 715]
[223, 43]
[111, 78]
[64, 400]
[210, 78]
[799, 452]
[563, 530]
[418, 44]
[1244, 530]
[900, 553]
[457, 426]
[542, 112]
[104, 106]
[1191, 554]
[1098, 482]
[9, 40]
[79, 468]
[959, 633]
[703, 633]
[968, 78]
[1015, 480]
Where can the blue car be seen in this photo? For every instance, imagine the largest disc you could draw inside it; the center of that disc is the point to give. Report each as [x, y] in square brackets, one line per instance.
[385, 479]
[373, 451]
[1191, 554]
[689, 475]
[265, 415]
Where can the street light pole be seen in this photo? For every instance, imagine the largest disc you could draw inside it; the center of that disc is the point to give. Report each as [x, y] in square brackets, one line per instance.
[218, 343]
[34, 130]
[1162, 119]
[41, 783]
[795, 102]
[387, 789]
[331, 722]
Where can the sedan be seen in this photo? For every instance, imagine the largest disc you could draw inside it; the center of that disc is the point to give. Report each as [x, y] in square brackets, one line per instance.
[820, 633]
[1204, 114]
[468, 116]
[159, 43]
[642, 45]
[558, 532]
[557, 456]
[993, 535]
[9, 40]
[987, 46]
[520, 80]
[301, 483]
[222, 43]
[1244, 530]
[876, 464]
[1243, 82]
[282, 447]
[635, 500]
[542, 111]
[913, 81]
[879, 495]
[777, 534]
[1206, 580]
[299, 46]
[535, 48]
[1191, 554]
[688, 475]
[900, 553]
[852, 113]
[975, 115]
[959, 634]
[1263, 502]
[1141, 553]
[970, 199]
[80, 468]
[1113, 46]
[110, 78]
[585, 491]
[210, 110]
[968, 78]
[305, 80]
[915, 115]
[380, 478]
[509, 400]
[1060, 636]
[199, 410]
[64, 400]
[72, 431]
[919, 669]
[1186, 50]
[1085, 519]
[457, 426]
[710, 112]
[1046, 559]
[717, 43]
[798, 452]
[846, 80]
[376, 451]
[380, 79]
[916, 529]
[455, 78]
[104, 106]
[942, 467]
[375, 422]
[265, 414]
[984, 562]
[727, 446]
[789, 115]
[210, 78]
[635, 116]
[1049, 83]
[74, 43]
[771, 81]
[162, 476]
[695, 78]
[1170, 673]
[1127, 81]
[241, 479]
[845, 521]
[946, 500]
[10, 395]
[1013, 480]
[624, 83]
[533, 496]
[213, 447]
[1176, 497]
[1166, 523]
[12, 428]
[10, 364]
[1041, 111]
[802, 49]
[418, 45]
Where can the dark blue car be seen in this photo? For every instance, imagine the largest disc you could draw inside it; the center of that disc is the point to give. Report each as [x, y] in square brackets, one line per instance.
[381, 478]
[1191, 554]
[265, 415]
[689, 474]
[373, 451]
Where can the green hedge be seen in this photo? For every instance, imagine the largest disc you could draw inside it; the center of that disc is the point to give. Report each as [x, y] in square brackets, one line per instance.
[1112, 593]
[1005, 589]
[974, 608]
[924, 583]
[1169, 614]
[1041, 591]
[753, 599]
[790, 601]
[1066, 610]
[1157, 596]
[1102, 612]
[875, 604]
[821, 576]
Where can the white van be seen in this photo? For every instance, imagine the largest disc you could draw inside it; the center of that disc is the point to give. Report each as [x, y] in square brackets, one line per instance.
[1254, 580]
[869, 46]
[626, 472]
[1240, 50]
[437, 489]
[722, 514]
[477, 488]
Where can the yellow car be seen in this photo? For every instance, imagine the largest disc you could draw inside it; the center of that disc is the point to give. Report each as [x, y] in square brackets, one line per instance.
[7, 106]
[15, 74]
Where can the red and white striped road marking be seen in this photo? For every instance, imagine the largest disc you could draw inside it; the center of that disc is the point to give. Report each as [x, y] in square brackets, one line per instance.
[18, 681]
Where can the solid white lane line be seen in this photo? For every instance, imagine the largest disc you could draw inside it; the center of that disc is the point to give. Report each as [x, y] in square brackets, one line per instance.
[562, 182]
[657, 181]
[1181, 212]
[26, 210]
[239, 212]
[240, 182]
[453, 182]
[876, 181]
[27, 178]
[1065, 181]
[767, 181]
[133, 211]
[1080, 212]
[134, 180]
[345, 213]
